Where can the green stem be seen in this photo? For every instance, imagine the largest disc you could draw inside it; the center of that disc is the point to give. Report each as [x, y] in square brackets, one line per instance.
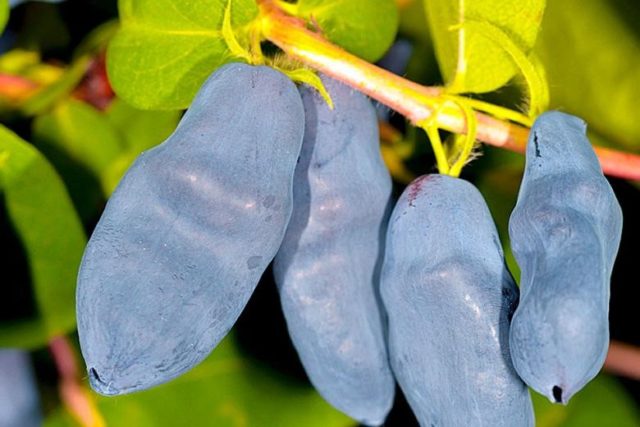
[469, 140]
[438, 148]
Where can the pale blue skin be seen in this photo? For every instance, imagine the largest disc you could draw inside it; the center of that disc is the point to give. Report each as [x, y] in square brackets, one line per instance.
[449, 298]
[327, 269]
[19, 401]
[565, 231]
[189, 231]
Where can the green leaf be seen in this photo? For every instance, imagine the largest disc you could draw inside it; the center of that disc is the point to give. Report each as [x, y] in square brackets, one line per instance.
[469, 59]
[592, 58]
[41, 212]
[533, 73]
[92, 150]
[139, 130]
[226, 390]
[229, 37]
[82, 144]
[603, 402]
[365, 28]
[166, 49]
[4, 14]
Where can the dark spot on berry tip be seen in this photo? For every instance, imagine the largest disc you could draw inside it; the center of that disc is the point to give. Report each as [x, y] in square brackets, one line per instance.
[557, 394]
[415, 188]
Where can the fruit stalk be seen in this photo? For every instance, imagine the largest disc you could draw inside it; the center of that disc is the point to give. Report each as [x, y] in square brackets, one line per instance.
[416, 102]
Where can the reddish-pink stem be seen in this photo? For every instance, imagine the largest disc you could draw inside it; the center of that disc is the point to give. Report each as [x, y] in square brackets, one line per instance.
[624, 360]
[414, 101]
[15, 88]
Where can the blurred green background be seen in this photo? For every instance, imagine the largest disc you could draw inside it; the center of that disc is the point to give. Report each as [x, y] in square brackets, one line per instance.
[68, 140]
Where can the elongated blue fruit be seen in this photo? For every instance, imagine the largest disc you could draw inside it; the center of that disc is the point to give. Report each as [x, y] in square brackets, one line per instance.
[449, 298]
[327, 268]
[189, 231]
[565, 231]
[19, 402]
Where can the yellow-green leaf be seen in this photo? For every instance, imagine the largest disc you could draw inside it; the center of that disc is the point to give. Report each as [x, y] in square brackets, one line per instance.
[139, 130]
[592, 59]
[365, 28]
[165, 49]
[82, 145]
[469, 60]
[42, 214]
[4, 14]
[83, 135]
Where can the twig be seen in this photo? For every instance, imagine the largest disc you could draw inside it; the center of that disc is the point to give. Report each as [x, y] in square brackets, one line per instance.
[416, 102]
[624, 360]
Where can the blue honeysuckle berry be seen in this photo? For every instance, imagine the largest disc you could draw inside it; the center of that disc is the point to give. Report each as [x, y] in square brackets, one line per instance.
[449, 298]
[188, 232]
[327, 269]
[565, 231]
